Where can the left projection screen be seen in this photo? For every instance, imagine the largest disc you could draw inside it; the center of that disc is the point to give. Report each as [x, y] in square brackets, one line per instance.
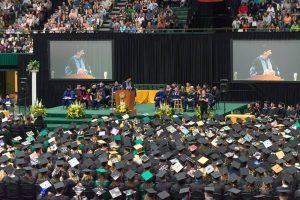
[81, 59]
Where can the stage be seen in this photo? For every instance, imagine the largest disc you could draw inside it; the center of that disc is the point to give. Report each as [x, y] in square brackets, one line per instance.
[57, 116]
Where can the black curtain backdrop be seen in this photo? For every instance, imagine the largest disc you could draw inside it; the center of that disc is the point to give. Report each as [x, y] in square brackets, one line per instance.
[164, 58]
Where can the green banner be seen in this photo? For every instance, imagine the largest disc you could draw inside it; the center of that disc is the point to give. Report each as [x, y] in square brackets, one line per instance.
[8, 59]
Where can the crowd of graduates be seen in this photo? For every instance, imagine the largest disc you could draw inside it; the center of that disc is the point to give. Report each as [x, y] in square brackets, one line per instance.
[123, 157]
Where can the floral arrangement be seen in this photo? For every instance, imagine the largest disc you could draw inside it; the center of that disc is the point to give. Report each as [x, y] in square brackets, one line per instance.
[210, 113]
[33, 65]
[121, 108]
[76, 111]
[38, 107]
[164, 109]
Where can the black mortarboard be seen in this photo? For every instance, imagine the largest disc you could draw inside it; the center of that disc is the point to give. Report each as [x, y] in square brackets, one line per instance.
[236, 164]
[209, 189]
[3, 159]
[197, 174]
[216, 174]
[250, 179]
[260, 170]
[184, 190]
[20, 161]
[161, 173]
[267, 180]
[120, 165]
[130, 174]
[163, 195]
[59, 185]
[42, 161]
[244, 171]
[20, 154]
[9, 169]
[234, 190]
[43, 170]
[151, 191]
[180, 176]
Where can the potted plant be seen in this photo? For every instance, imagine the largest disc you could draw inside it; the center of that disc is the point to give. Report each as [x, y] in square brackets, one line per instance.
[33, 65]
[76, 111]
[38, 107]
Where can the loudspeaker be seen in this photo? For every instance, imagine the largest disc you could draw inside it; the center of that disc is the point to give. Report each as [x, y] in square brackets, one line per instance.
[224, 85]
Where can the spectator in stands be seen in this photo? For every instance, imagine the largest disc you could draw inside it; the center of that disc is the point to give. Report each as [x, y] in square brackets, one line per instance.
[243, 9]
[287, 21]
[295, 27]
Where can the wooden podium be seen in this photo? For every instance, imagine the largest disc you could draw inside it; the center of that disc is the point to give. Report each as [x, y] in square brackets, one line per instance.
[128, 96]
[265, 78]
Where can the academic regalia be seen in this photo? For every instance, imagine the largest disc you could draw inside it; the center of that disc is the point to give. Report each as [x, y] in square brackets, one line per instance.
[191, 99]
[40, 123]
[8, 103]
[70, 94]
[159, 97]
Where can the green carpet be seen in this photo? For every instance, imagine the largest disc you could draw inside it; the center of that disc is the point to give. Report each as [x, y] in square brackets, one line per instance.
[57, 116]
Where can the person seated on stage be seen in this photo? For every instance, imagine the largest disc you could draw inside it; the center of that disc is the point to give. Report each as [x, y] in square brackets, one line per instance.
[290, 111]
[7, 102]
[98, 100]
[68, 97]
[273, 110]
[266, 109]
[191, 97]
[93, 91]
[168, 93]
[187, 87]
[281, 112]
[297, 109]
[85, 96]
[257, 109]
[160, 96]
[116, 86]
[250, 108]
[106, 93]
[176, 95]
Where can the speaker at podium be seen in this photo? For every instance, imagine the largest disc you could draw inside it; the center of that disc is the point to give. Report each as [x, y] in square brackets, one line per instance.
[128, 97]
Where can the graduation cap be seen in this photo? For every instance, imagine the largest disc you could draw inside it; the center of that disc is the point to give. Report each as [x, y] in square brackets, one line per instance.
[20, 161]
[267, 180]
[250, 179]
[130, 174]
[163, 195]
[234, 191]
[43, 170]
[129, 192]
[216, 174]
[120, 165]
[147, 175]
[184, 190]
[151, 191]
[209, 189]
[116, 192]
[180, 176]
[59, 185]
[99, 191]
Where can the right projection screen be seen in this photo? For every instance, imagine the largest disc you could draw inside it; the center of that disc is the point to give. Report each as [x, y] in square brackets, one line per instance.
[265, 60]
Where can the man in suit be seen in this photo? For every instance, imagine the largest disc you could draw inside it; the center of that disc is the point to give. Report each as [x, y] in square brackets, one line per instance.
[175, 95]
[78, 64]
